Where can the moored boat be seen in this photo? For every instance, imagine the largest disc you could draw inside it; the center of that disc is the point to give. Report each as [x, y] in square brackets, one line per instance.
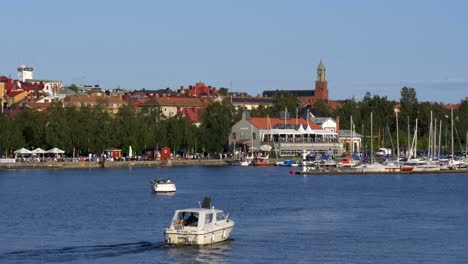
[372, 167]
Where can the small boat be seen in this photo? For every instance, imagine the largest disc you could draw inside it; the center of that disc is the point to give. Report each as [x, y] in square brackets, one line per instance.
[246, 163]
[199, 226]
[395, 167]
[163, 185]
[261, 161]
[371, 167]
[422, 165]
[287, 163]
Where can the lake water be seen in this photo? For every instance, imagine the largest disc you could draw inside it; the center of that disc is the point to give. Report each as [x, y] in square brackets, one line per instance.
[111, 216]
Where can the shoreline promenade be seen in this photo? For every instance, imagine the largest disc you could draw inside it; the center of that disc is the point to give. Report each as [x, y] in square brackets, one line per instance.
[113, 164]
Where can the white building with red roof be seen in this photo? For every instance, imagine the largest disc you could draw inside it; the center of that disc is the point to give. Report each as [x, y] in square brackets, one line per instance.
[287, 136]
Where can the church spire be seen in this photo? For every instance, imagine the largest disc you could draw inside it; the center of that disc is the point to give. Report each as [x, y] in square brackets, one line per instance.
[321, 72]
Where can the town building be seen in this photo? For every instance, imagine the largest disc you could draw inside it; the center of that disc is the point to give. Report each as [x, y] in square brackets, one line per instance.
[26, 82]
[310, 97]
[170, 106]
[199, 89]
[326, 123]
[110, 104]
[249, 103]
[351, 141]
[287, 136]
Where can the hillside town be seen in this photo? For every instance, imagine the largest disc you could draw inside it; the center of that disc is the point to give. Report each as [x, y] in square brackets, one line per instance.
[288, 134]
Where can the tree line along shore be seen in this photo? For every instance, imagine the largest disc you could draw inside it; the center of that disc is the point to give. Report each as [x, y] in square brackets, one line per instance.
[84, 130]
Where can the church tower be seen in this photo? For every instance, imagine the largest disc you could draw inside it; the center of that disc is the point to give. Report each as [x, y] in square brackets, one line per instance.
[321, 85]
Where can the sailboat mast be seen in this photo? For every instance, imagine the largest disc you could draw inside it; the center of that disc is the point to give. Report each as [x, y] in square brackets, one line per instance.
[434, 152]
[398, 141]
[430, 136]
[451, 118]
[440, 139]
[416, 140]
[372, 140]
[409, 135]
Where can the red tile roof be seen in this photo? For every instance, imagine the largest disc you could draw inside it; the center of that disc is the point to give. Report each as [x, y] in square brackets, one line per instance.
[192, 114]
[450, 106]
[262, 122]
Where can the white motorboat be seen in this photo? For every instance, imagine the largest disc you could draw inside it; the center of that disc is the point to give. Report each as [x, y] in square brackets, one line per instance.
[199, 226]
[372, 167]
[246, 163]
[163, 186]
[422, 165]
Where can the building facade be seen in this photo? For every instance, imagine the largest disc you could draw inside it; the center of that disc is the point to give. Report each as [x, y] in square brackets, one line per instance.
[287, 136]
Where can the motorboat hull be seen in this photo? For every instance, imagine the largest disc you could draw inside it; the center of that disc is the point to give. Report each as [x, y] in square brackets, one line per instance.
[199, 237]
[164, 187]
[426, 168]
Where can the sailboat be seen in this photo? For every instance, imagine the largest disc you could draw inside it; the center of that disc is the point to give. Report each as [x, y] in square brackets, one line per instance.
[453, 164]
[416, 163]
[397, 167]
[372, 166]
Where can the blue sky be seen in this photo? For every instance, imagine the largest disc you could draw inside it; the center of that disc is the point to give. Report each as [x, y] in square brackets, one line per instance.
[249, 46]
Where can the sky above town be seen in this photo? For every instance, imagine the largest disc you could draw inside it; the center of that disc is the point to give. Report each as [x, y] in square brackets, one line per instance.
[371, 46]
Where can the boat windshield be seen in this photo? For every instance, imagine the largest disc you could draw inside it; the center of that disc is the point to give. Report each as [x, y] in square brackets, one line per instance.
[220, 216]
[188, 218]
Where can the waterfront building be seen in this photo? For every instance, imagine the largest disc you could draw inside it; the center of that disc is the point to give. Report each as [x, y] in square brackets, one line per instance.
[326, 123]
[287, 136]
[350, 140]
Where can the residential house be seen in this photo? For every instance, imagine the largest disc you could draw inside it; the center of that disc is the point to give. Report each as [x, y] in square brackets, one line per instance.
[172, 105]
[111, 104]
[249, 103]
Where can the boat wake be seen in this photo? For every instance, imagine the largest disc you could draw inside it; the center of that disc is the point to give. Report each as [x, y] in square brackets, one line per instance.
[78, 252]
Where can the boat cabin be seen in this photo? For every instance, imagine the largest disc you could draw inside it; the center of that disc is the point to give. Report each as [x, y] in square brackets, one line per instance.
[197, 218]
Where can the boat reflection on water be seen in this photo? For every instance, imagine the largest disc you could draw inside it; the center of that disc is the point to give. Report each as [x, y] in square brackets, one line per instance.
[215, 253]
[164, 193]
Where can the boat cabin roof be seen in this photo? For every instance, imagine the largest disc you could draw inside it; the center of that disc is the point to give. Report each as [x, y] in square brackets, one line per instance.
[200, 210]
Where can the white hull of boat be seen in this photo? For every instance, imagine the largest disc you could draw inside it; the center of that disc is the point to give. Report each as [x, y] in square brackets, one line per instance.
[245, 163]
[426, 168]
[376, 167]
[164, 187]
[199, 237]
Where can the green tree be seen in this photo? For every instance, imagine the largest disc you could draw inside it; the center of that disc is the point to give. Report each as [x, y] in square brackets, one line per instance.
[284, 100]
[223, 91]
[74, 88]
[408, 102]
[10, 135]
[321, 108]
[217, 122]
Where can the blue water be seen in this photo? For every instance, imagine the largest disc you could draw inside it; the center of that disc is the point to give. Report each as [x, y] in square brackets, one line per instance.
[111, 216]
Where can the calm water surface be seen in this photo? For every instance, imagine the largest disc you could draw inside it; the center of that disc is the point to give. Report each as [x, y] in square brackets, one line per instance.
[111, 216]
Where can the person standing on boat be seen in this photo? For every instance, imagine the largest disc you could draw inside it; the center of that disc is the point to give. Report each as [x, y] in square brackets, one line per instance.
[192, 220]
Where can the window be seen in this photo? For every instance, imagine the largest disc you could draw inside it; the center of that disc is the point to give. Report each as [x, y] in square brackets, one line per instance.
[254, 135]
[234, 136]
[208, 218]
[220, 216]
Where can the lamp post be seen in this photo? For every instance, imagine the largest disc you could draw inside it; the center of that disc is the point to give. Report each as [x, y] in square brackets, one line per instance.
[396, 110]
